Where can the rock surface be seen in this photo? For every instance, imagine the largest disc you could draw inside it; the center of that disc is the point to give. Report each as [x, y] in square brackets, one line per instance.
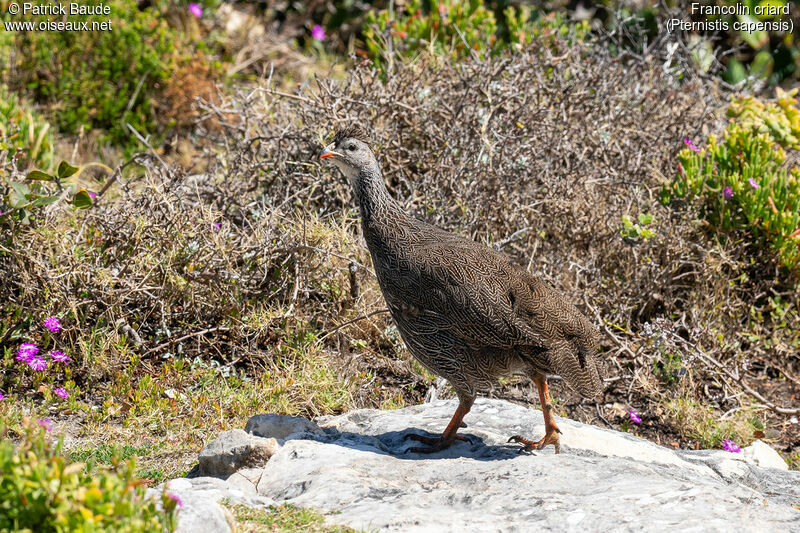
[232, 451]
[353, 467]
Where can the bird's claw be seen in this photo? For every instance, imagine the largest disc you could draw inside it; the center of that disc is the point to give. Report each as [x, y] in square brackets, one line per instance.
[528, 446]
[550, 437]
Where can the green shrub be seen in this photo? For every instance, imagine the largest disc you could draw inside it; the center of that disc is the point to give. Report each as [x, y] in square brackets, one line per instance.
[437, 24]
[457, 28]
[635, 232]
[99, 79]
[25, 134]
[741, 181]
[40, 491]
[40, 189]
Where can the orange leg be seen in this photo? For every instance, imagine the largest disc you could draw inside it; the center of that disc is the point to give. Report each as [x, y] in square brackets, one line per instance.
[551, 431]
[449, 435]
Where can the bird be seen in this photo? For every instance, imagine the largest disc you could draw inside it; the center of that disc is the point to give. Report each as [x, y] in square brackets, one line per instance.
[464, 310]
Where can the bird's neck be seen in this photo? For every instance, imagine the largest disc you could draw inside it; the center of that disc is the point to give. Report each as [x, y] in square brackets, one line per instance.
[374, 200]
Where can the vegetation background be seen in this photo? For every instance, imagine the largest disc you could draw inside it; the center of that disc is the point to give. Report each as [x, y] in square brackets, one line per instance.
[174, 258]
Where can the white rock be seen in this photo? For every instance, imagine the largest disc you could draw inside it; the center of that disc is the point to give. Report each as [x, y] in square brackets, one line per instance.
[233, 450]
[354, 469]
[760, 454]
[279, 426]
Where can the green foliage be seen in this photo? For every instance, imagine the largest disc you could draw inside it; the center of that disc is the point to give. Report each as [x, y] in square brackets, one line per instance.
[793, 461]
[698, 421]
[457, 28]
[741, 182]
[41, 189]
[23, 133]
[284, 519]
[437, 24]
[770, 53]
[99, 79]
[41, 491]
[524, 24]
[668, 368]
[636, 232]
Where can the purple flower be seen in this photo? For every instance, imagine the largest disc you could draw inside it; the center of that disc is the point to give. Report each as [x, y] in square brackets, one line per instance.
[92, 194]
[52, 324]
[46, 423]
[634, 417]
[196, 10]
[26, 352]
[731, 446]
[753, 183]
[37, 363]
[59, 357]
[318, 32]
[691, 145]
[2, 396]
[727, 192]
[217, 225]
[176, 498]
[61, 392]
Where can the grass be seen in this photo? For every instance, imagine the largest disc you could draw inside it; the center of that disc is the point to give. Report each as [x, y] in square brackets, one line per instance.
[284, 519]
[697, 421]
[164, 413]
[792, 460]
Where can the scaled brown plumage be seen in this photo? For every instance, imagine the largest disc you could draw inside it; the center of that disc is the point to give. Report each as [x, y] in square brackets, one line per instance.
[464, 310]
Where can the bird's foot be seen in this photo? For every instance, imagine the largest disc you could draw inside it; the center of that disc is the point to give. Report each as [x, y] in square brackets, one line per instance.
[435, 444]
[550, 437]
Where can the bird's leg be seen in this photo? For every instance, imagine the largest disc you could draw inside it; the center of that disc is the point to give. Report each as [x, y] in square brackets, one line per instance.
[449, 435]
[551, 431]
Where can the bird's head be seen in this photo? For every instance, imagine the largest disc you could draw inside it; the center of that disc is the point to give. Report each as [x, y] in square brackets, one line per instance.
[350, 153]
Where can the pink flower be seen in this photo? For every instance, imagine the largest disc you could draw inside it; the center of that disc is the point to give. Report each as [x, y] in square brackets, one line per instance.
[753, 183]
[691, 145]
[318, 32]
[26, 351]
[23, 356]
[2, 396]
[217, 225]
[196, 10]
[59, 357]
[175, 498]
[634, 417]
[37, 363]
[731, 446]
[92, 194]
[52, 324]
[727, 192]
[46, 423]
[61, 392]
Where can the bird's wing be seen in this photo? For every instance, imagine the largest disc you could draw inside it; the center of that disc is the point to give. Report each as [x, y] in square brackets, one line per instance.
[477, 293]
[482, 298]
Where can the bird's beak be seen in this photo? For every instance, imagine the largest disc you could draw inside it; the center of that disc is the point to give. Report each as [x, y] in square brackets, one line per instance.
[328, 152]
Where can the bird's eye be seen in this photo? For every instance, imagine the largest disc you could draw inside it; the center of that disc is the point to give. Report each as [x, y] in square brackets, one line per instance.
[352, 147]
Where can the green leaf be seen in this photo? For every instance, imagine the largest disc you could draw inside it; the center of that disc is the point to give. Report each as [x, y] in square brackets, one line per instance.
[761, 66]
[66, 170]
[16, 200]
[756, 39]
[82, 200]
[645, 219]
[768, 6]
[45, 200]
[20, 188]
[735, 72]
[39, 175]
